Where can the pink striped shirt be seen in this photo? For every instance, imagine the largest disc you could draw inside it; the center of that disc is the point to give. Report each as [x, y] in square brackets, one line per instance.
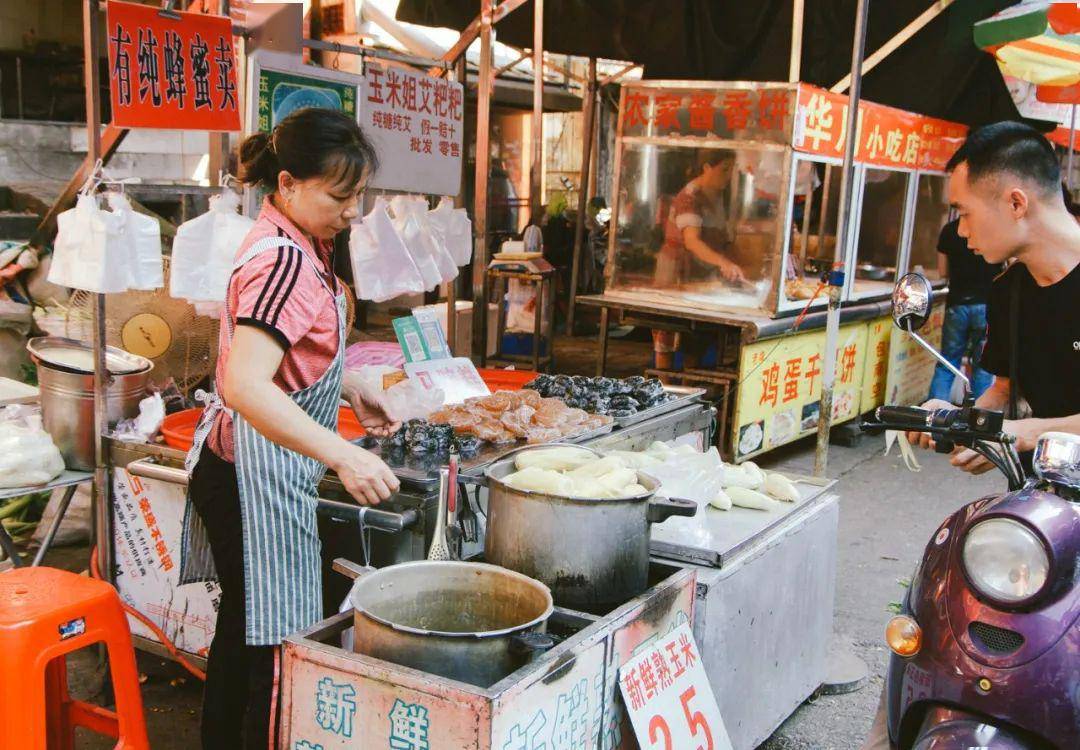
[281, 293]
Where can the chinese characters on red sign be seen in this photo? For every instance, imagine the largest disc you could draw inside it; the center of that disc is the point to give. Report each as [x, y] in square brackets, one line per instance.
[168, 73]
[415, 123]
[703, 112]
[886, 136]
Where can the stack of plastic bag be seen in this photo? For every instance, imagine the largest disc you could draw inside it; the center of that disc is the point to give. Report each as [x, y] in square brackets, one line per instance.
[381, 265]
[453, 227]
[204, 251]
[88, 253]
[106, 251]
[140, 236]
[28, 455]
[428, 251]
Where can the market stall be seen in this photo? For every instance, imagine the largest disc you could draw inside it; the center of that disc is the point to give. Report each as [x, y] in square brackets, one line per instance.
[757, 167]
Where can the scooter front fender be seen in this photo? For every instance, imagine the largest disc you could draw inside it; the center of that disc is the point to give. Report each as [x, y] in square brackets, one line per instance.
[947, 729]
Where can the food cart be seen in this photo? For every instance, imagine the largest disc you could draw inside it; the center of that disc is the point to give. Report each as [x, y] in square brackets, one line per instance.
[775, 218]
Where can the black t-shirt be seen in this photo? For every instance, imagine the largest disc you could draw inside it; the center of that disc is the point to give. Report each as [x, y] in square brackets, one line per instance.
[1048, 365]
[970, 276]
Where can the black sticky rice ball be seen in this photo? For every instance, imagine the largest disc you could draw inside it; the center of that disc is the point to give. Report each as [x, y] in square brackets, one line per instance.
[466, 444]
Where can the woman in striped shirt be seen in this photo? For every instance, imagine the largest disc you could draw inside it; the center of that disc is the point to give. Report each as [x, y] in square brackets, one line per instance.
[268, 436]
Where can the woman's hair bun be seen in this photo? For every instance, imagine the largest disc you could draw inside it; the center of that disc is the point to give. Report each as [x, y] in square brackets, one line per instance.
[258, 162]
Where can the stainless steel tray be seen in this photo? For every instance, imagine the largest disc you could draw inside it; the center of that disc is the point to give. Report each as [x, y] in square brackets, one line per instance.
[423, 471]
[683, 396]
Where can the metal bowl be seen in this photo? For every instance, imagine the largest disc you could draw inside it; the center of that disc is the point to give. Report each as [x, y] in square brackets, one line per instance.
[45, 349]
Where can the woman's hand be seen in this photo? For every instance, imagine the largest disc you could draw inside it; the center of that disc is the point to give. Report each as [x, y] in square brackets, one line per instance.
[925, 439]
[731, 272]
[364, 475]
[372, 418]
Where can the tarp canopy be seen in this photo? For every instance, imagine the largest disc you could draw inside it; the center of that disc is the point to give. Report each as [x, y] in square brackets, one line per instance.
[939, 72]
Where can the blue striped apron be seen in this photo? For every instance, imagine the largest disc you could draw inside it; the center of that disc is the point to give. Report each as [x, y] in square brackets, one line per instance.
[278, 498]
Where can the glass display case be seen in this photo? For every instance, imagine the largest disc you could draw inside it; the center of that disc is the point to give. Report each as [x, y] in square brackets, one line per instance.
[698, 226]
[883, 211]
[727, 196]
[931, 214]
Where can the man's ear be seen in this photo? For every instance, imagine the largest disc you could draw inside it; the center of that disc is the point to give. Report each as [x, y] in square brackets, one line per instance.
[1018, 203]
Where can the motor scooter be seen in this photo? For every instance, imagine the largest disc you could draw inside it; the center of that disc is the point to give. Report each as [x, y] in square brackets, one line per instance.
[986, 648]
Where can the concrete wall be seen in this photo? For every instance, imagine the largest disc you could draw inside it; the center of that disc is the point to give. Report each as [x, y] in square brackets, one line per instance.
[47, 154]
[51, 20]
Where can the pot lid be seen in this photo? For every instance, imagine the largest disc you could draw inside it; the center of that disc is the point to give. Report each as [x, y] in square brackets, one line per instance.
[78, 356]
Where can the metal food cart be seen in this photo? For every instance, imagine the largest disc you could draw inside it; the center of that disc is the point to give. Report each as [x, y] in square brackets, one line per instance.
[755, 167]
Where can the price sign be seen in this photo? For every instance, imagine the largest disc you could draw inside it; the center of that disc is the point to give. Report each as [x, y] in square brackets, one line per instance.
[669, 699]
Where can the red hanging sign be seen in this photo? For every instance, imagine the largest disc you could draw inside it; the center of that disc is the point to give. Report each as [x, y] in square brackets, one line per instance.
[169, 72]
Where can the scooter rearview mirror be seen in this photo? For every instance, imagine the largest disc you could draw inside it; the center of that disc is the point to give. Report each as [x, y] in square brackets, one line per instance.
[912, 300]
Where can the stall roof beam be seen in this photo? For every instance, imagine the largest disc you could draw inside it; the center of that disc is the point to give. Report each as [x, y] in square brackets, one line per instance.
[893, 44]
[378, 54]
[472, 31]
[618, 74]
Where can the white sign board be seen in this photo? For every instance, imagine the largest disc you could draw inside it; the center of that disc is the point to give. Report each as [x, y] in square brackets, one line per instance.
[668, 697]
[457, 377]
[148, 518]
[414, 121]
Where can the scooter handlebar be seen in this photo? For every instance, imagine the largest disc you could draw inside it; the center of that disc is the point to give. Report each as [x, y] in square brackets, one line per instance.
[912, 417]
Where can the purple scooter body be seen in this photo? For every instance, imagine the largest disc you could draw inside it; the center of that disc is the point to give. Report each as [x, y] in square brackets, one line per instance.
[1029, 655]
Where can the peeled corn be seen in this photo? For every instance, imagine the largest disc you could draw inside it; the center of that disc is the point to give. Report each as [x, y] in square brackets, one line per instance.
[747, 498]
[781, 488]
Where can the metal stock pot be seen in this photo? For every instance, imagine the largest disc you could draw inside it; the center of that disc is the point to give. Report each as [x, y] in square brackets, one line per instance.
[592, 553]
[470, 622]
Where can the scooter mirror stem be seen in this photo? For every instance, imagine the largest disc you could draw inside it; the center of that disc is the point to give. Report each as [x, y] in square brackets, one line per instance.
[948, 365]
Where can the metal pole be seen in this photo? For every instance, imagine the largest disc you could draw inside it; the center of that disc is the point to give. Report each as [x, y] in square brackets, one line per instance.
[1072, 145]
[588, 124]
[795, 63]
[536, 165]
[843, 224]
[102, 525]
[480, 197]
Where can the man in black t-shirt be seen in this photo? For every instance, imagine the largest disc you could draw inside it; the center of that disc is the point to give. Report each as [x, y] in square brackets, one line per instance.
[964, 329]
[1005, 183]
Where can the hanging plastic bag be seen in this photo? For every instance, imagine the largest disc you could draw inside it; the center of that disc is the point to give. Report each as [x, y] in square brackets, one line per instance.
[88, 253]
[381, 265]
[410, 219]
[203, 253]
[454, 228]
[141, 238]
[28, 455]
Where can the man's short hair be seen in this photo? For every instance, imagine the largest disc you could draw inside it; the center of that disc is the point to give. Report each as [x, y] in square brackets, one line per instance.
[1011, 147]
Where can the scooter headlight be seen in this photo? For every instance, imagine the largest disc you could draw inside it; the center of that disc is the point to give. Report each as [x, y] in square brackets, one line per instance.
[1005, 561]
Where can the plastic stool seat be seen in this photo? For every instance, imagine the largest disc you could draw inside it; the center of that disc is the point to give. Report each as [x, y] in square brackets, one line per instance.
[46, 614]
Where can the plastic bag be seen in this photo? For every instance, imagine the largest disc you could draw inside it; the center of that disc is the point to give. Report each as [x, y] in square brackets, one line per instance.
[411, 221]
[88, 253]
[454, 228]
[204, 250]
[381, 265]
[140, 237]
[28, 455]
[405, 400]
[142, 428]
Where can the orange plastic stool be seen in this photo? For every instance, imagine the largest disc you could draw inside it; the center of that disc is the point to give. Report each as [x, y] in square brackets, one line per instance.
[45, 614]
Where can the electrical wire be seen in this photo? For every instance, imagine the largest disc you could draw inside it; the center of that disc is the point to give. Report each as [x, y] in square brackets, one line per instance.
[175, 652]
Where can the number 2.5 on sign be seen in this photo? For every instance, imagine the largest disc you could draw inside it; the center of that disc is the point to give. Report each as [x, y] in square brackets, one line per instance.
[668, 696]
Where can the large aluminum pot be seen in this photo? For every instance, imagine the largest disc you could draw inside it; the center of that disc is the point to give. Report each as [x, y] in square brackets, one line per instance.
[67, 393]
[470, 622]
[593, 554]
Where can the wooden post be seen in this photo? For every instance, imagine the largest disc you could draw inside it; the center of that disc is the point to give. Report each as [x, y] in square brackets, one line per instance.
[102, 528]
[588, 125]
[795, 63]
[480, 197]
[536, 164]
[218, 143]
[459, 74]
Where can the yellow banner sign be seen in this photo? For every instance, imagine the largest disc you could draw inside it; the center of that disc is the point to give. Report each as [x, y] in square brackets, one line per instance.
[780, 386]
[877, 364]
